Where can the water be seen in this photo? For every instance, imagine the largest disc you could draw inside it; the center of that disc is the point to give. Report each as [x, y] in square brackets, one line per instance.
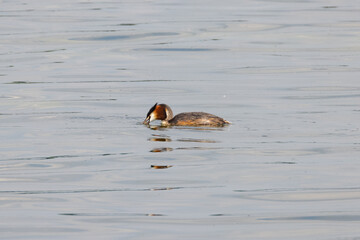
[78, 77]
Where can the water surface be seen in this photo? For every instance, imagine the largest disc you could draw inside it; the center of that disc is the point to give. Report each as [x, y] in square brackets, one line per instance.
[77, 79]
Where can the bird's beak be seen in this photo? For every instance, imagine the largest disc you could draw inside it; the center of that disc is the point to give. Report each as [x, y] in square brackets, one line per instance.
[147, 120]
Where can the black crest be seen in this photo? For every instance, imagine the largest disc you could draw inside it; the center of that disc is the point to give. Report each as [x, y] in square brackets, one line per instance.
[151, 110]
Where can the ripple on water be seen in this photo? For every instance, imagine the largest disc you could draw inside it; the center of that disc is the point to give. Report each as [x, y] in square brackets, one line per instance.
[277, 152]
[324, 92]
[167, 149]
[67, 156]
[164, 138]
[324, 96]
[122, 90]
[337, 218]
[188, 128]
[76, 191]
[113, 214]
[324, 88]
[197, 140]
[300, 195]
[180, 49]
[125, 37]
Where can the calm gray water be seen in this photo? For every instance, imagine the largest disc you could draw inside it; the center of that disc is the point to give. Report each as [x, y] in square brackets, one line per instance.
[78, 77]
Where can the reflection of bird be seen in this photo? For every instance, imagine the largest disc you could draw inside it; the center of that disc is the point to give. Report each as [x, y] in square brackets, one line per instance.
[164, 113]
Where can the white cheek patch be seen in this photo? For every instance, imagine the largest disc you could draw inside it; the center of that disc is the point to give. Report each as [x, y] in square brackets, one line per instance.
[152, 117]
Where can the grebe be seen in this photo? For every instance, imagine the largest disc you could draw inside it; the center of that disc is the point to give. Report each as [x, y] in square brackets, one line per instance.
[164, 113]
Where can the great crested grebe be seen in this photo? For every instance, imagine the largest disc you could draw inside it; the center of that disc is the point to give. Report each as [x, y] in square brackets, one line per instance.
[164, 113]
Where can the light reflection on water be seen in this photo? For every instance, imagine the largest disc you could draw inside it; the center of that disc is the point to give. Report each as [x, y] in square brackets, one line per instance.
[77, 79]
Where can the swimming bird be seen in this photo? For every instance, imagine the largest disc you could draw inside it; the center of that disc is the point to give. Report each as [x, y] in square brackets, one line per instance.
[164, 113]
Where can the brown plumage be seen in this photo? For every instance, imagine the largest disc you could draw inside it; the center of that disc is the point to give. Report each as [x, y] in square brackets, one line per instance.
[164, 113]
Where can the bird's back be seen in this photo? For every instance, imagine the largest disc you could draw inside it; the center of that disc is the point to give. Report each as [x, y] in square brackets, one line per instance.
[197, 119]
